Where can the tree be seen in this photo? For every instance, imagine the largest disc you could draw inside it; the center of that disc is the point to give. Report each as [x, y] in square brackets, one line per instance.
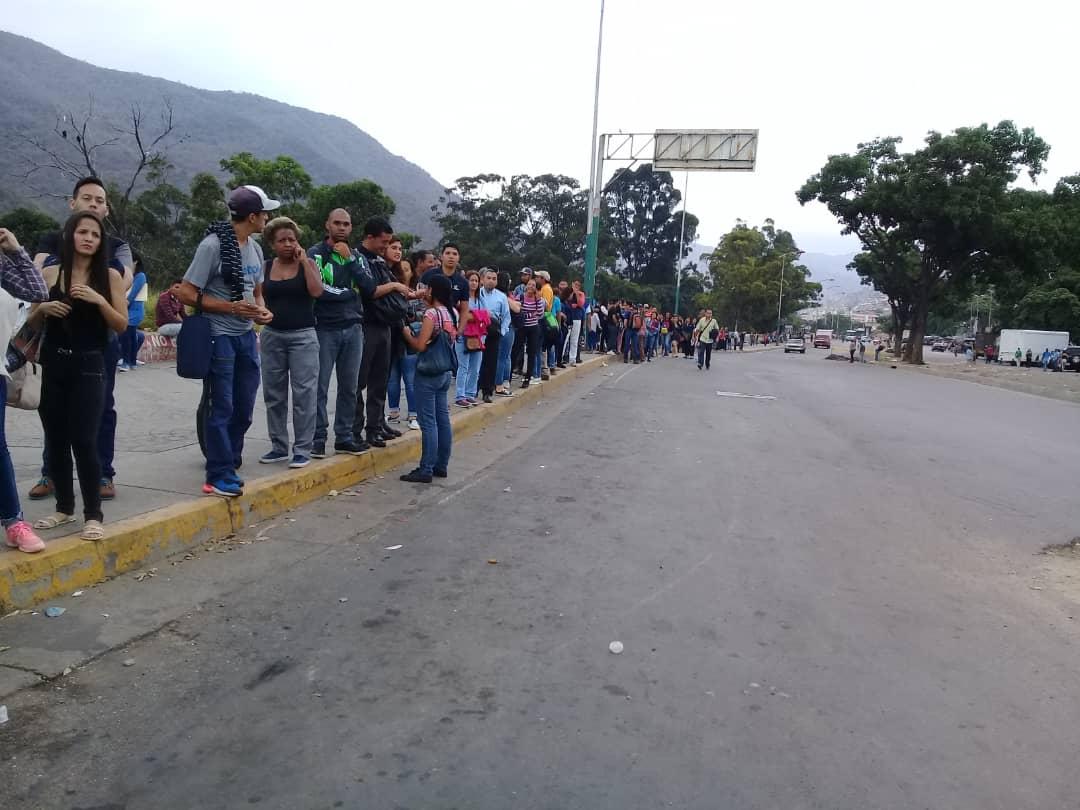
[28, 225]
[484, 220]
[945, 201]
[80, 139]
[746, 271]
[639, 212]
[363, 199]
[282, 178]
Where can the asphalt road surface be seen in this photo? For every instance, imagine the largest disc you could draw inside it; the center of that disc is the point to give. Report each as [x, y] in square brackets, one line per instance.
[831, 599]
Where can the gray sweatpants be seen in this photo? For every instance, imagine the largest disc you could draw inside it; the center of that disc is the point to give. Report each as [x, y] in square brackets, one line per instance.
[290, 359]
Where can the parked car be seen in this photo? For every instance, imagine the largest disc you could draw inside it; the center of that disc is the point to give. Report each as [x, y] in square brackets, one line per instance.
[1070, 360]
[939, 346]
[795, 344]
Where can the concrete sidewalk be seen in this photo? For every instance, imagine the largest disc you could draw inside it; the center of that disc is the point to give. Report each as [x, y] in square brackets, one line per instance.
[160, 508]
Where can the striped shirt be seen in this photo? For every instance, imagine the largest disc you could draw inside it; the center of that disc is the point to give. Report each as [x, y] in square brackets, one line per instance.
[533, 310]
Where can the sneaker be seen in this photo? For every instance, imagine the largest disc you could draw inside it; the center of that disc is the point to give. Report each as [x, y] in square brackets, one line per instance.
[108, 489]
[487, 399]
[41, 490]
[22, 537]
[273, 457]
[236, 479]
[473, 400]
[525, 383]
[544, 374]
[299, 461]
[226, 487]
[463, 403]
[374, 440]
[318, 450]
[395, 416]
[351, 448]
[140, 362]
[123, 367]
[416, 477]
[413, 424]
[439, 473]
[505, 393]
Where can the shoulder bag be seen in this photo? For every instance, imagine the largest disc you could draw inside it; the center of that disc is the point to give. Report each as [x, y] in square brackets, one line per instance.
[195, 345]
[439, 357]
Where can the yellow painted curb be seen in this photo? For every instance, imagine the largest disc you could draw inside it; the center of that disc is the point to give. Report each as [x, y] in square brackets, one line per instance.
[69, 563]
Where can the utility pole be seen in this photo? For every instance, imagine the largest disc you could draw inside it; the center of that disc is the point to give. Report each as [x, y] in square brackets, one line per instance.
[596, 167]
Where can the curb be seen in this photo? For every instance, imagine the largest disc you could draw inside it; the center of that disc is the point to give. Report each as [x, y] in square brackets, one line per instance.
[70, 563]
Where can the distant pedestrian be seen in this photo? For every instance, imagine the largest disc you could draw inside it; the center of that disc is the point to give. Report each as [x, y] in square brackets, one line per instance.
[705, 333]
[877, 351]
[862, 351]
[851, 351]
[1027, 358]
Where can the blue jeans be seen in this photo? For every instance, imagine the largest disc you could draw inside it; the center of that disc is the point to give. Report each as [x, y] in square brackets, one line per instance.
[502, 371]
[650, 345]
[10, 509]
[468, 373]
[433, 414]
[342, 348]
[667, 343]
[402, 368]
[233, 383]
[130, 343]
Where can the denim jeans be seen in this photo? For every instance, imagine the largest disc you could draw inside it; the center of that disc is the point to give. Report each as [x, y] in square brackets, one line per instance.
[233, 383]
[402, 367]
[650, 345]
[704, 353]
[468, 373]
[130, 343]
[433, 414]
[290, 360]
[10, 509]
[502, 371]
[341, 348]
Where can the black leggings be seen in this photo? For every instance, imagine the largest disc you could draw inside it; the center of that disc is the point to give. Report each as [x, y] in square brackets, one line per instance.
[72, 399]
[489, 363]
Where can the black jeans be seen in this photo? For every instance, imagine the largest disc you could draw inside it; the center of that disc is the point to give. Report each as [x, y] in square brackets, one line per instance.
[72, 400]
[704, 353]
[490, 363]
[531, 340]
[374, 376]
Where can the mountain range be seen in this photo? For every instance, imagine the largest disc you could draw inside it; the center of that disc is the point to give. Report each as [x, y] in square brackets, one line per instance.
[40, 85]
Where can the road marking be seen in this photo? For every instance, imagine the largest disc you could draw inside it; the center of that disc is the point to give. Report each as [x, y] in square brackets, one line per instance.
[743, 396]
[618, 379]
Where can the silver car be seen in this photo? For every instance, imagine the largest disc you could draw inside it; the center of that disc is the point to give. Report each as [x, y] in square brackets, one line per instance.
[795, 344]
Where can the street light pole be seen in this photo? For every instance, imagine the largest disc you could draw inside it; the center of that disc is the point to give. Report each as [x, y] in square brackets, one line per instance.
[596, 170]
[682, 235]
[780, 302]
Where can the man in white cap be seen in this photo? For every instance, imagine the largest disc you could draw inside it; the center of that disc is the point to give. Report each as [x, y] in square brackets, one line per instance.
[225, 282]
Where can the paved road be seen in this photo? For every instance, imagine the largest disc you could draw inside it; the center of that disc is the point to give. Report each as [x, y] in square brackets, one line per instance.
[897, 645]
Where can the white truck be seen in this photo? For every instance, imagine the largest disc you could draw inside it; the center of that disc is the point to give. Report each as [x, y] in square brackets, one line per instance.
[1036, 340]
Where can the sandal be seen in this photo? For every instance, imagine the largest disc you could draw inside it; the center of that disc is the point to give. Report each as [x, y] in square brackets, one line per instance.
[92, 530]
[53, 521]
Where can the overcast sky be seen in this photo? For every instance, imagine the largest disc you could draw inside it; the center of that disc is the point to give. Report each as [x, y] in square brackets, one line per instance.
[468, 86]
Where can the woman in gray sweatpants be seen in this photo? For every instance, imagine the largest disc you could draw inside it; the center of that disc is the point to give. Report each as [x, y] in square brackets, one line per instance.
[289, 345]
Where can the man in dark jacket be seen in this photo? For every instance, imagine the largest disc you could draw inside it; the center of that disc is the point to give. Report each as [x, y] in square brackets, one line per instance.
[375, 281]
[338, 314]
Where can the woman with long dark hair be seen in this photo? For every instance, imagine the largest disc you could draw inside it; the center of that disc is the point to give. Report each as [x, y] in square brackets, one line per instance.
[532, 308]
[86, 302]
[433, 411]
[402, 362]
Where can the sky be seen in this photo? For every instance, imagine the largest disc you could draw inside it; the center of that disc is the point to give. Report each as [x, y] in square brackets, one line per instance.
[462, 87]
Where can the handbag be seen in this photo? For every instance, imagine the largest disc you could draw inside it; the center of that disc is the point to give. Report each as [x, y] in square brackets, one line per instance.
[390, 310]
[24, 387]
[195, 345]
[24, 347]
[439, 357]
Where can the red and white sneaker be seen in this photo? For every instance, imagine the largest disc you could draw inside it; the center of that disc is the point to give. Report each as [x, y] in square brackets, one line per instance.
[22, 537]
